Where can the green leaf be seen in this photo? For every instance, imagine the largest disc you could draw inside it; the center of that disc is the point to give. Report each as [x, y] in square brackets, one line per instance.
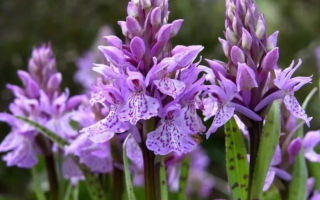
[268, 143]
[272, 194]
[37, 185]
[163, 181]
[129, 185]
[298, 184]
[184, 178]
[237, 163]
[48, 133]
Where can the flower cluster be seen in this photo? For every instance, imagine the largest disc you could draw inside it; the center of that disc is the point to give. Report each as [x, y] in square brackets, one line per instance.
[251, 79]
[145, 78]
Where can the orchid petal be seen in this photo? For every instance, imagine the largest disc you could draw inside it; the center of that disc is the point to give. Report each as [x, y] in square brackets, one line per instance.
[169, 86]
[169, 137]
[295, 109]
[139, 106]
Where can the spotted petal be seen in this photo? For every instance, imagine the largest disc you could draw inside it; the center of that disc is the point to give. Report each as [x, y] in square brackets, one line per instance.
[105, 129]
[138, 106]
[295, 109]
[169, 137]
[170, 87]
[224, 113]
[191, 121]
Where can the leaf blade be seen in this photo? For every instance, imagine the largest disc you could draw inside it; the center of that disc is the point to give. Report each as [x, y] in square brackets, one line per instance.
[129, 185]
[237, 163]
[268, 144]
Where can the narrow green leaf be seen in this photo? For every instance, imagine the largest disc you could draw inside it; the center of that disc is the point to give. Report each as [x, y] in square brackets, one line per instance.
[163, 181]
[298, 184]
[237, 163]
[48, 133]
[184, 178]
[272, 194]
[309, 97]
[129, 186]
[91, 180]
[37, 185]
[268, 143]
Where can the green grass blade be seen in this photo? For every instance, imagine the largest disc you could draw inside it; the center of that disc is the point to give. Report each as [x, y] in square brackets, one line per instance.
[48, 133]
[184, 178]
[298, 184]
[37, 185]
[268, 143]
[163, 181]
[237, 163]
[129, 185]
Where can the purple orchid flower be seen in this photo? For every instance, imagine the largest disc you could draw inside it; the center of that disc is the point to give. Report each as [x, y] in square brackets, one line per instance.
[39, 100]
[144, 77]
[250, 80]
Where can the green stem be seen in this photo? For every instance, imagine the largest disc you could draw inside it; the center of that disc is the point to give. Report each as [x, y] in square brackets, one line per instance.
[163, 181]
[254, 134]
[37, 184]
[118, 176]
[184, 178]
[50, 166]
[150, 171]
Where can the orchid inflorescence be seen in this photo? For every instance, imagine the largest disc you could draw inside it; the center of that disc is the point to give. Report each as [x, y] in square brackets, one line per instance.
[150, 96]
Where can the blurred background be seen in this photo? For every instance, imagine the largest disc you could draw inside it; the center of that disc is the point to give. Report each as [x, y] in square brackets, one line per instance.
[72, 27]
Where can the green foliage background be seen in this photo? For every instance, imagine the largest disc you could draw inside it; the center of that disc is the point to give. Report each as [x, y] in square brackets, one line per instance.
[72, 25]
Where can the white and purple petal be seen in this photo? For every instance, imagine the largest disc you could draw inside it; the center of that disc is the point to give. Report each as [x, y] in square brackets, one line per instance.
[169, 137]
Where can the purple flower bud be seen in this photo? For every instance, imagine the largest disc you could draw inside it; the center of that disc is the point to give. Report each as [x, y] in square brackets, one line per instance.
[164, 33]
[123, 26]
[272, 40]
[133, 26]
[231, 36]
[237, 55]
[132, 10]
[270, 61]
[114, 41]
[54, 82]
[246, 39]
[137, 47]
[246, 78]
[225, 46]
[113, 54]
[176, 25]
[261, 28]
[156, 18]
[294, 148]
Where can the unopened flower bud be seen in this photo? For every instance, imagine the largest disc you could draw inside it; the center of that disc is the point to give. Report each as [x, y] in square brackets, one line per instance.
[155, 18]
[132, 9]
[137, 47]
[260, 28]
[246, 39]
[231, 36]
[237, 55]
[133, 26]
[272, 40]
